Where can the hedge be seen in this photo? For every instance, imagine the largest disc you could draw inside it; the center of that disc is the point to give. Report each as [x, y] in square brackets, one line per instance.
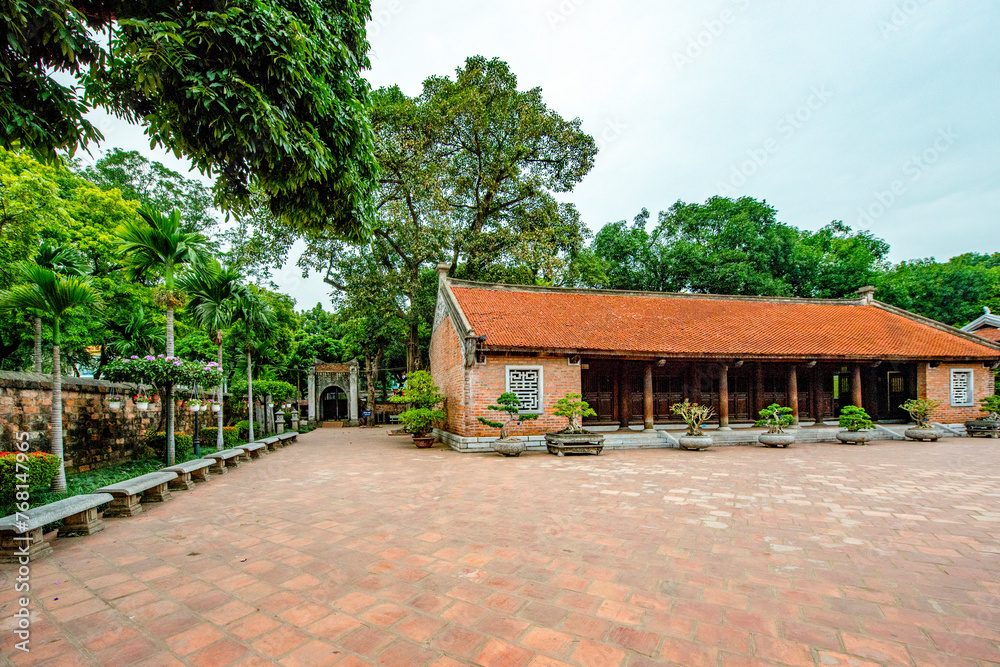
[244, 430]
[42, 469]
[183, 444]
[230, 436]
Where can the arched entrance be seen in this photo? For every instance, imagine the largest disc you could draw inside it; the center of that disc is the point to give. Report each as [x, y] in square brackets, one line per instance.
[334, 404]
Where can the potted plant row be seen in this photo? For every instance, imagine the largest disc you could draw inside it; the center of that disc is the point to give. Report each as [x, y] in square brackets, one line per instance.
[920, 410]
[694, 416]
[775, 418]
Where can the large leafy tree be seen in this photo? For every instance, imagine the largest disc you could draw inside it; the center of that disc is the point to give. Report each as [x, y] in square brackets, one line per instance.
[264, 92]
[952, 292]
[45, 291]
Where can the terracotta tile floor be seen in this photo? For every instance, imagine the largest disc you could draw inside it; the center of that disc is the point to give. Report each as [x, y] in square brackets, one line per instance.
[353, 548]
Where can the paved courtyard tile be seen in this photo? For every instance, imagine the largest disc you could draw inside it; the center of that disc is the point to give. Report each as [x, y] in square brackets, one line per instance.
[353, 548]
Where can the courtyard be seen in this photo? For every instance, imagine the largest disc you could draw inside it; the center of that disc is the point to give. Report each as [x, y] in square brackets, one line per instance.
[354, 548]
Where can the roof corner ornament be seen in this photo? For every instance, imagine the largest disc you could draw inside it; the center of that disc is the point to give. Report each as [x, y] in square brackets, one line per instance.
[867, 295]
[987, 311]
[442, 270]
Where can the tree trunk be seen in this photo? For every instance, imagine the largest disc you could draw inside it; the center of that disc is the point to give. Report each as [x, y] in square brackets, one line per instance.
[371, 375]
[250, 413]
[413, 346]
[38, 345]
[219, 442]
[170, 389]
[59, 483]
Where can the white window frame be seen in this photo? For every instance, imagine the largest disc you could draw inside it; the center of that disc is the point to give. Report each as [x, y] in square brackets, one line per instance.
[971, 388]
[541, 386]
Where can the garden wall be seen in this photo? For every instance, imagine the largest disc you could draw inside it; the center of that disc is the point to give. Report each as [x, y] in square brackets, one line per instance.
[93, 435]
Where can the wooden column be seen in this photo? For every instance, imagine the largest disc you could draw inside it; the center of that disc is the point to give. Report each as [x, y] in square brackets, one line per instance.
[856, 385]
[758, 390]
[816, 385]
[647, 399]
[695, 384]
[624, 396]
[793, 393]
[724, 398]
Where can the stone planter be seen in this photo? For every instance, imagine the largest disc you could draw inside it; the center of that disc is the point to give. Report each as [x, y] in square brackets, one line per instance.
[509, 447]
[776, 439]
[696, 442]
[423, 442]
[574, 443]
[922, 434]
[855, 437]
[986, 428]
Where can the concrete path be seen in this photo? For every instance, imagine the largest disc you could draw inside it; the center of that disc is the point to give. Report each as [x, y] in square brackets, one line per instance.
[354, 548]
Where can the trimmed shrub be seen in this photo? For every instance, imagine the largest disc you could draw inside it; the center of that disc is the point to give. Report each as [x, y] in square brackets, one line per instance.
[243, 428]
[306, 427]
[42, 469]
[183, 445]
[230, 437]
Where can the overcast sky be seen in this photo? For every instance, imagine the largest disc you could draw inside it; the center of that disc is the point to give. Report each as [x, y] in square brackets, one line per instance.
[880, 113]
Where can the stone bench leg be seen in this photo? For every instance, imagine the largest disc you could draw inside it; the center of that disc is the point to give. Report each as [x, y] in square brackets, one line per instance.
[233, 462]
[157, 494]
[245, 457]
[273, 446]
[200, 475]
[257, 453]
[124, 506]
[218, 467]
[182, 483]
[87, 522]
[15, 546]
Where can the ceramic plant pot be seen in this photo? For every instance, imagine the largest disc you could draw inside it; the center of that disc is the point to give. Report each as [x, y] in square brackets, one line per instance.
[696, 442]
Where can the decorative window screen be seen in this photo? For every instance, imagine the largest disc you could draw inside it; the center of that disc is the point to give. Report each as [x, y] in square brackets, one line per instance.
[526, 384]
[961, 388]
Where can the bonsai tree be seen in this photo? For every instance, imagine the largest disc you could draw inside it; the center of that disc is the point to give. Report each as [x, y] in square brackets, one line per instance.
[510, 404]
[775, 418]
[920, 409]
[991, 407]
[573, 408]
[423, 398]
[694, 415]
[855, 419]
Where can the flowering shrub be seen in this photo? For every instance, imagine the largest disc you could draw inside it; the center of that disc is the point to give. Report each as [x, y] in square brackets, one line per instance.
[161, 371]
[42, 469]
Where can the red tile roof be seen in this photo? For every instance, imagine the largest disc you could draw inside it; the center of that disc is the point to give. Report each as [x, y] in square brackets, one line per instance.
[988, 334]
[694, 325]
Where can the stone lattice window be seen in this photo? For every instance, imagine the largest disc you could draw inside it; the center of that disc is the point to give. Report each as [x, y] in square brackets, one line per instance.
[961, 388]
[526, 384]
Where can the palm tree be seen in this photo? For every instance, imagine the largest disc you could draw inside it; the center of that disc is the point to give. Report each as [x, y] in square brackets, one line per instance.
[156, 244]
[214, 292]
[61, 259]
[134, 333]
[254, 316]
[51, 294]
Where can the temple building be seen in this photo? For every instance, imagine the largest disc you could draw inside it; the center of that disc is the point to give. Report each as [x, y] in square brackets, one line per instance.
[632, 355]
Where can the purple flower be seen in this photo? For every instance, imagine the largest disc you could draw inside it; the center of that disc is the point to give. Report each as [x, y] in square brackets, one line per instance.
[133, 357]
[159, 356]
[178, 363]
[149, 357]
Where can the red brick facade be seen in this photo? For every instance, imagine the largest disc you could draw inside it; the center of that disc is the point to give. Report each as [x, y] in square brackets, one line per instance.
[447, 367]
[935, 383]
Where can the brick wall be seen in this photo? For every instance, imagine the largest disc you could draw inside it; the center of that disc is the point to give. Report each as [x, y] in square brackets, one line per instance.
[935, 383]
[447, 367]
[93, 435]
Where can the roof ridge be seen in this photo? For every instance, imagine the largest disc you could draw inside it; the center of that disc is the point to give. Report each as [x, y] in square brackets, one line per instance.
[542, 289]
[940, 326]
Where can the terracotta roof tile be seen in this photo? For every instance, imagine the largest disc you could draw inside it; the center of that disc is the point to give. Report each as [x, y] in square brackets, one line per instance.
[688, 325]
[988, 334]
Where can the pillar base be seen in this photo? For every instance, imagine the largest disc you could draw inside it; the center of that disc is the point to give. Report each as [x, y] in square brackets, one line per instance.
[724, 428]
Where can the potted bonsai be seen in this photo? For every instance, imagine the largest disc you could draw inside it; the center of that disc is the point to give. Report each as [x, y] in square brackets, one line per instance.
[574, 438]
[509, 404]
[775, 418]
[989, 425]
[694, 416]
[860, 428]
[423, 398]
[920, 410]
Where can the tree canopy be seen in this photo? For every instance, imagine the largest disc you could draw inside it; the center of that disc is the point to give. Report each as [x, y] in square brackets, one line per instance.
[259, 93]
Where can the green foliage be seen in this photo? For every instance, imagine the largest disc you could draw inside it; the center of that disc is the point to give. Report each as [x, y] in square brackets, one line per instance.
[162, 371]
[508, 403]
[991, 407]
[306, 427]
[854, 418]
[243, 429]
[573, 408]
[424, 398]
[728, 246]
[41, 470]
[230, 436]
[694, 415]
[49, 293]
[279, 391]
[156, 245]
[266, 93]
[953, 292]
[775, 418]
[920, 409]
[156, 444]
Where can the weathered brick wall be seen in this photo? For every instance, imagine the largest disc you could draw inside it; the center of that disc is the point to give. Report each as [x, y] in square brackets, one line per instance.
[489, 381]
[935, 383]
[447, 367]
[93, 435]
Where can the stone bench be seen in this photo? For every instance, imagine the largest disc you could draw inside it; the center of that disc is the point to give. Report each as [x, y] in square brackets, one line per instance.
[189, 472]
[227, 458]
[21, 534]
[149, 488]
[288, 438]
[272, 443]
[255, 450]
